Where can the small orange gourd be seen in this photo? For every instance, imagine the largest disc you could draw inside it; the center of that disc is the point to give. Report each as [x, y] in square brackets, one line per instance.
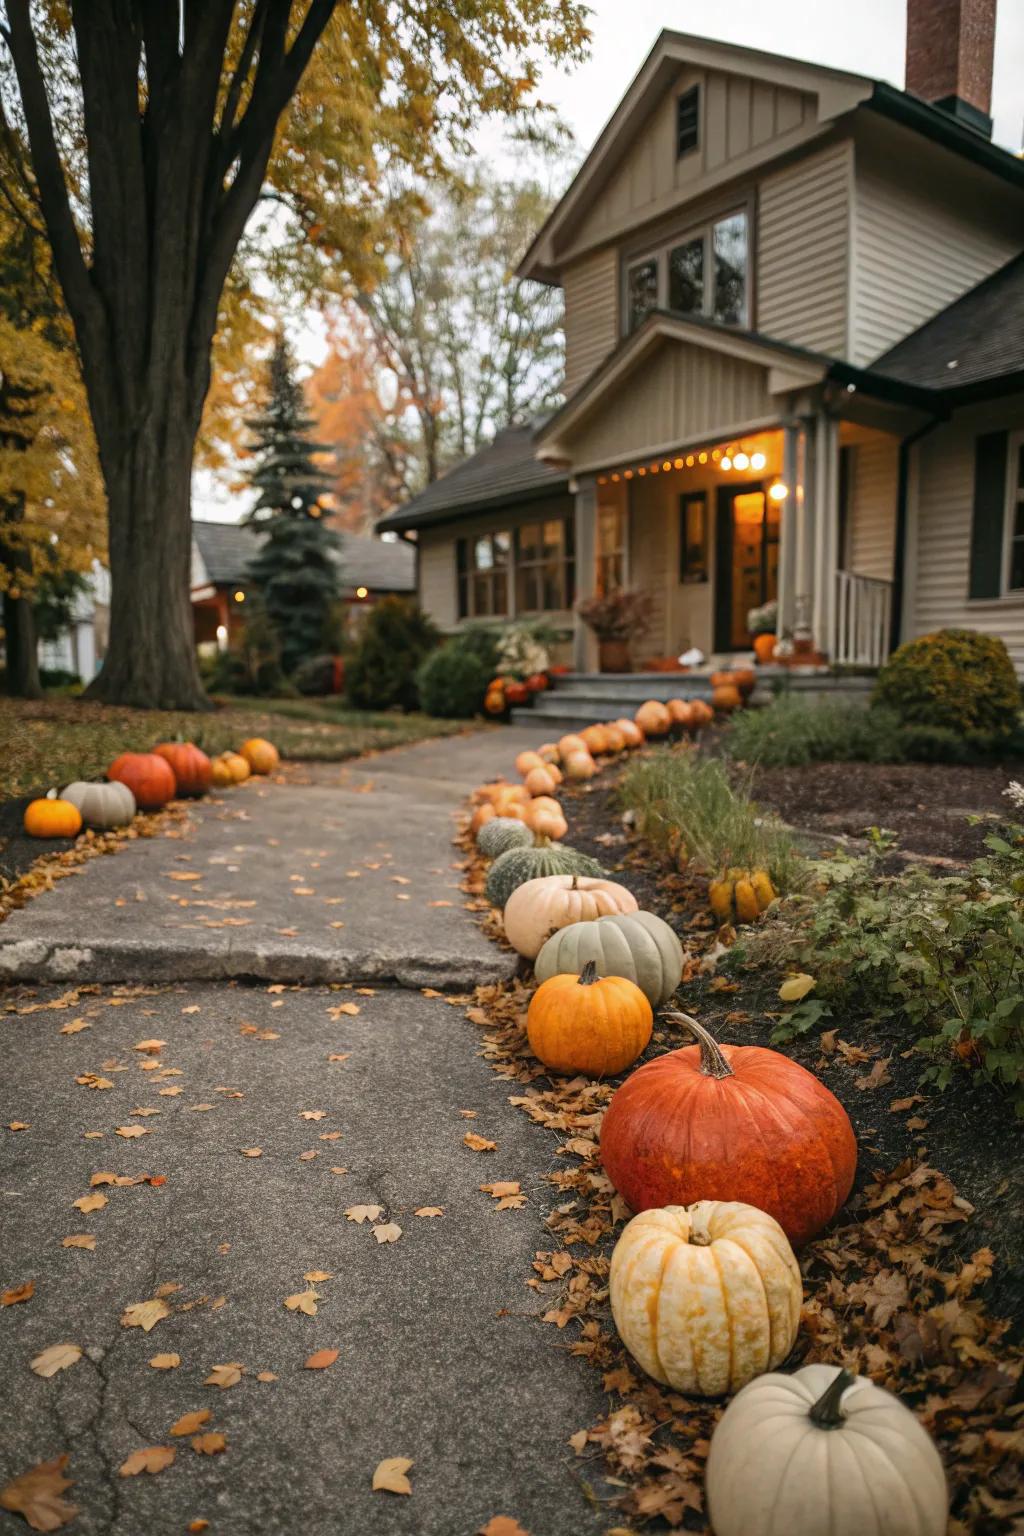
[51, 817]
[653, 718]
[261, 755]
[726, 697]
[540, 781]
[589, 1024]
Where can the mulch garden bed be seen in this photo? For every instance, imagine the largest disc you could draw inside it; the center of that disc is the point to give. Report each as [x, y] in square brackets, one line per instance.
[920, 1282]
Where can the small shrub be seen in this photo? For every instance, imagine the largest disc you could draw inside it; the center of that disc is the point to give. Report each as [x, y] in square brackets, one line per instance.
[791, 732]
[315, 677]
[955, 679]
[396, 637]
[452, 683]
[253, 664]
[685, 803]
[481, 641]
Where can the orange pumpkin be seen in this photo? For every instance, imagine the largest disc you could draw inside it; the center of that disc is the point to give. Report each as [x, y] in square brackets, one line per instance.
[701, 714]
[764, 648]
[549, 752]
[546, 818]
[726, 697]
[579, 766]
[221, 776]
[614, 740]
[572, 743]
[190, 766]
[494, 701]
[237, 765]
[540, 782]
[679, 713]
[149, 777]
[712, 1122]
[527, 760]
[634, 736]
[262, 756]
[745, 679]
[595, 739]
[653, 718]
[598, 1026]
[52, 817]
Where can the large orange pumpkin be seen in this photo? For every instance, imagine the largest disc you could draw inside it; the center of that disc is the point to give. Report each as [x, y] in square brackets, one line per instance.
[527, 760]
[701, 714]
[262, 756]
[614, 739]
[586, 1023]
[149, 777]
[191, 767]
[712, 1122]
[595, 739]
[579, 766]
[679, 712]
[634, 736]
[764, 648]
[726, 697]
[572, 743]
[541, 781]
[653, 718]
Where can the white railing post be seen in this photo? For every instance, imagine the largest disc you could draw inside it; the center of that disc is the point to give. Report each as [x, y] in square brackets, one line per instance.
[860, 630]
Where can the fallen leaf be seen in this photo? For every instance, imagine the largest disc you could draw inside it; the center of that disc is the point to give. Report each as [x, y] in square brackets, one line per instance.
[80, 1240]
[200, 1108]
[321, 1360]
[339, 1055]
[195, 1527]
[876, 1078]
[307, 1157]
[209, 1445]
[145, 1314]
[362, 1213]
[429, 1210]
[312, 1114]
[348, 1008]
[170, 1093]
[165, 1362]
[74, 1026]
[57, 1358]
[145, 1110]
[190, 1422]
[795, 987]
[88, 1203]
[339, 1170]
[265, 1376]
[18, 1293]
[330, 1135]
[128, 1131]
[151, 1047]
[252, 1151]
[225, 1375]
[19, 1125]
[389, 1475]
[389, 1233]
[504, 1525]
[153, 1459]
[90, 1080]
[303, 1301]
[316, 1275]
[36, 1495]
[192, 1008]
[479, 1143]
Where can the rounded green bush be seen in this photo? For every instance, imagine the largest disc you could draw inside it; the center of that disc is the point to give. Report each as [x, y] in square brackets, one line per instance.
[452, 682]
[512, 869]
[502, 833]
[954, 679]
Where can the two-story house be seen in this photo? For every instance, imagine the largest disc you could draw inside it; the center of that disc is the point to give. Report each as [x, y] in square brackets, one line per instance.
[794, 317]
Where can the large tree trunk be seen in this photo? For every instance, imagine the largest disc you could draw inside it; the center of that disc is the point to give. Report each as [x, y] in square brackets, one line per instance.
[21, 650]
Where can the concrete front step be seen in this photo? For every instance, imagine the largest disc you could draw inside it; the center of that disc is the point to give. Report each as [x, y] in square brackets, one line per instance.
[631, 685]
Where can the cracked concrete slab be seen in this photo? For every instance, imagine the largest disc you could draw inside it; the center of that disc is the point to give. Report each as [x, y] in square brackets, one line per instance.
[342, 872]
[442, 1358]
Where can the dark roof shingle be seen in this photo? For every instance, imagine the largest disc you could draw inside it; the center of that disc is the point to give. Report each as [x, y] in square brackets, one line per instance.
[975, 340]
[379, 564]
[507, 470]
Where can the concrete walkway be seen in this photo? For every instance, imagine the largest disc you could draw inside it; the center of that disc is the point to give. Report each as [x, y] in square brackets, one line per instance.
[352, 1098]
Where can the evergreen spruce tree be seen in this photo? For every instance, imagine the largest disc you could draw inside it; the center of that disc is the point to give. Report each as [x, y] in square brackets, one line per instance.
[296, 570]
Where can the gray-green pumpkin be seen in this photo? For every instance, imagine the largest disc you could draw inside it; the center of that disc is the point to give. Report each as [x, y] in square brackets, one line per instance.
[101, 805]
[502, 833]
[512, 869]
[639, 946]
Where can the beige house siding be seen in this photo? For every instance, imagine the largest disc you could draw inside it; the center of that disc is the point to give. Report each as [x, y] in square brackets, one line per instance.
[591, 314]
[681, 395]
[871, 526]
[743, 122]
[941, 532]
[803, 234]
[926, 228]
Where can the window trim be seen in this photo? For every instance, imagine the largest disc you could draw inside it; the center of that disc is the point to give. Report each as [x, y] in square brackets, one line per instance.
[511, 527]
[658, 252]
[681, 96]
[566, 563]
[1014, 495]
[687, 578]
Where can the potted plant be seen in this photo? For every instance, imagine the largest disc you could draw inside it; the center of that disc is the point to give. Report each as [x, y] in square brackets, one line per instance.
[762, 623]
[616, 618]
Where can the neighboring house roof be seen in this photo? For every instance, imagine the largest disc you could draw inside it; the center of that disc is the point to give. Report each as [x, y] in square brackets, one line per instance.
[506, 472]
[977, 340]
[226, 549]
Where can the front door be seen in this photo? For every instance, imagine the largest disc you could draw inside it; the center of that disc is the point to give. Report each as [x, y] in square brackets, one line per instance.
[747, 560]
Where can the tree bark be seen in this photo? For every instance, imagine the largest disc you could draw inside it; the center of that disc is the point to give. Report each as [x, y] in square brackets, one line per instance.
[21, 650]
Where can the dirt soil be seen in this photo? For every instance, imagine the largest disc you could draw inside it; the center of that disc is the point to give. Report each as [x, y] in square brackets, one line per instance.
[969, 1131]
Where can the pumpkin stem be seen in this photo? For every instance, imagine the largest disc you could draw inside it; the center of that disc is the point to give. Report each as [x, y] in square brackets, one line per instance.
[588, 975]
[712, 1058]
[826, 1412]
[575, 884]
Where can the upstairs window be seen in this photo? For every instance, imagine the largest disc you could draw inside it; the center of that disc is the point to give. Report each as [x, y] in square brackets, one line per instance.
[706, 273]
[686, 277]
[729, 247]
[688, 122]
[642, 294]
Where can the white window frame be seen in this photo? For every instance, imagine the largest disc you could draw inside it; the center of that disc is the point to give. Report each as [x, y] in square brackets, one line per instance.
[659, 254]
[1014, 496]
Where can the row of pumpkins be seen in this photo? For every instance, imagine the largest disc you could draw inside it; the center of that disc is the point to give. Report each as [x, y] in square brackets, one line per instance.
[145, 781]
[731, 1156]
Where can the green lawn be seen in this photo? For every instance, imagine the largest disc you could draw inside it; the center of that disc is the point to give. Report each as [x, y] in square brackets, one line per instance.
[58, 739]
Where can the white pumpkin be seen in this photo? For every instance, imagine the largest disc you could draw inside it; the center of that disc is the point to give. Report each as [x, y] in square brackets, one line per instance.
[823, 1450]
[101, 805]
[637, 945]
[706, 1296]
[538, 908]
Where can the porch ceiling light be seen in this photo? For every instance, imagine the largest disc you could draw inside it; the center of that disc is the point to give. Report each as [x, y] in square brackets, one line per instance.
[361, 592]
[778, 491]
[726, 461]
[239, 596]
[741, 460]
[758, 461]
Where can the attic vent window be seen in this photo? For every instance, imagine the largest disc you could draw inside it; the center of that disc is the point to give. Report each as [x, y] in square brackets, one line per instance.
[688, 121]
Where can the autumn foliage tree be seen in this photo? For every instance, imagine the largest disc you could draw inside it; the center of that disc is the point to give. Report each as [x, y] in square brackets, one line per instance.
[154, 129]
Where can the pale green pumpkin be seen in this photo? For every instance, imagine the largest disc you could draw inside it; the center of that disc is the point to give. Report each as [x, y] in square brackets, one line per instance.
[502, 833]
[638, 945]
[101, 805]
[513, 868]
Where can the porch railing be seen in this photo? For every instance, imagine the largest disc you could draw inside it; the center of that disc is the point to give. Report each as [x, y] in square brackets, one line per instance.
[863, 613]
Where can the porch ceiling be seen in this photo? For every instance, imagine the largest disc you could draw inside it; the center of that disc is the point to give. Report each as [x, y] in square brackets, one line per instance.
[675, 383]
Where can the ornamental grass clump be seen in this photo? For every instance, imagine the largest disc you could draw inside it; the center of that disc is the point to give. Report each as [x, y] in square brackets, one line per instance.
[686, 808]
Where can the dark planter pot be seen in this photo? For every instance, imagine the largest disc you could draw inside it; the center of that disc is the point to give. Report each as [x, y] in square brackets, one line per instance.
[613, 656]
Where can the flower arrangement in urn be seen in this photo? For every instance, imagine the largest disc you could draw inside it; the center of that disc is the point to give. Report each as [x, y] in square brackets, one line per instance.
[616, 618]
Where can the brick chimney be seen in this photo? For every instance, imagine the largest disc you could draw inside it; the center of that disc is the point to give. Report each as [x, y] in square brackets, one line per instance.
[950, 44]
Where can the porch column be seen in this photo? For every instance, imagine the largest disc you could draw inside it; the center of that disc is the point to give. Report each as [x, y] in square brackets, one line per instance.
[804, 507]
[584, 646]
[826, 520]
[788, 528]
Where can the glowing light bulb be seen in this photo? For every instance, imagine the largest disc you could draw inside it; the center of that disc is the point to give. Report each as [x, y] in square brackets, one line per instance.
[741, 460]
[703, 458]
[779, 491]
[726, 461]
[239, 597]
[758, 461]
[689, 461]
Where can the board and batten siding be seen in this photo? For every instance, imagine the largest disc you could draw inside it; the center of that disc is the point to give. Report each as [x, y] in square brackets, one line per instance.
[871, 524]
[591, 314]
[681, 395]
[941, 533]
[437, 593]
[803, 236]
[926, 229]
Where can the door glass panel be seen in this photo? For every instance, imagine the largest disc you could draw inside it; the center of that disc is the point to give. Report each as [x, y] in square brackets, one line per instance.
[729, 245]
[686, 277]
[642, 294]
[752, 570]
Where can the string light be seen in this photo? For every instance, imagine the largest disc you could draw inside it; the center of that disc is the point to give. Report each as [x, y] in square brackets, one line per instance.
[778, 490]
[741, 460]
[758, 460]
[733, 456]
[726, 461]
